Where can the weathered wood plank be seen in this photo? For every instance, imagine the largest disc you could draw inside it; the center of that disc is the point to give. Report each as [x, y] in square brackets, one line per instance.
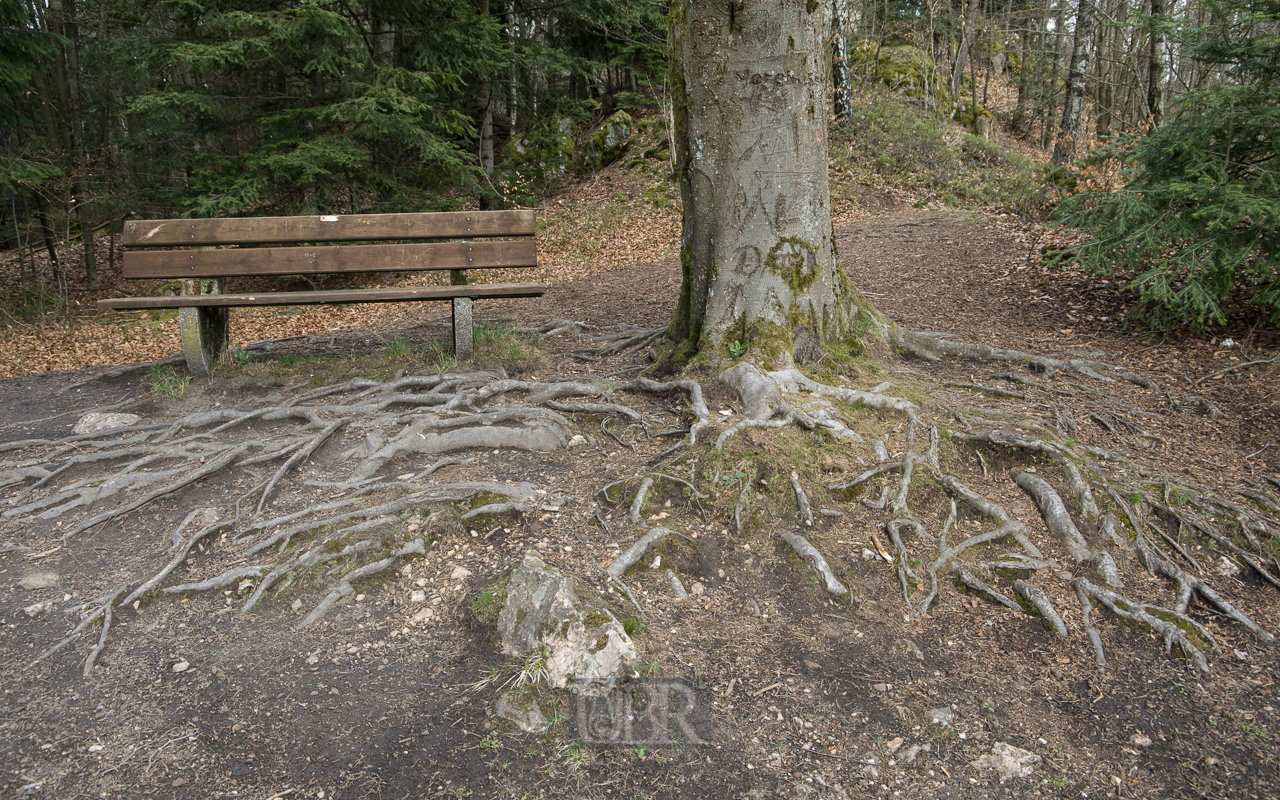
[335, 228]
[393, 295]
[328, 259]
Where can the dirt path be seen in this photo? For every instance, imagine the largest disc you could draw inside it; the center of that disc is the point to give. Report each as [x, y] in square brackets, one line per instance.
[796, 696]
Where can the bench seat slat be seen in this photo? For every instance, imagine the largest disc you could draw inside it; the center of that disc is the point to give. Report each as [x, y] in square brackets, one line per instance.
[328, 259]
[337, 228]
[390, 295]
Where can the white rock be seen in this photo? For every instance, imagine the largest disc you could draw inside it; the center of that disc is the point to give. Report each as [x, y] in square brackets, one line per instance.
[1140, 740]
[940, 716]
[577, 441]
[38, 580]
[1008, 761]
[697, 588]
[657, 562]
[459, 573]
[587, 652]
[417, 596]
[100, 421]
[422, 616]
[36, 609]
[181, 666]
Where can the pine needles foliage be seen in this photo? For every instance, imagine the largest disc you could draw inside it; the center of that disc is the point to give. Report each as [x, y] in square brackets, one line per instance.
[1198, 220]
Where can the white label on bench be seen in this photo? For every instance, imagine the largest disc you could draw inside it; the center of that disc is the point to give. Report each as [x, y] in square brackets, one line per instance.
[328, 219]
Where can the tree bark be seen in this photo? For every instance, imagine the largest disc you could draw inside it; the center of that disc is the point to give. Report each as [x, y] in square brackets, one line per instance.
[962, 53]
[1155, 64]
[842, 89]
[75, 119]
[1064, 147]
[760, 270]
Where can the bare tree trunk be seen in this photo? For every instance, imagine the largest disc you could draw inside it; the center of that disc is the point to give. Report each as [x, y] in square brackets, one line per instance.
[842, 89]
[1025, 71]
[1065, 146]
[749, 89]
[1155, 64]
[962, 53]
[75, 120]
[512, 97]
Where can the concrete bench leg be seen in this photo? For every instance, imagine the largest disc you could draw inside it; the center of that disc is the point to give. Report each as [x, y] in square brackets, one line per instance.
[463, 344]
[203, 330]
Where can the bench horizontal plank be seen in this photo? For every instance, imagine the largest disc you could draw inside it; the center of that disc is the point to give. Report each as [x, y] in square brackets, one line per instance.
[336, 228]
[391, 295]
[329, 259]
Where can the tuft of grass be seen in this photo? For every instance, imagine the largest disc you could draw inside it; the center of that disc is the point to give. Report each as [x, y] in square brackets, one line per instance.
[397, 350]
[168, 382]
[634, 626]
[498, 341]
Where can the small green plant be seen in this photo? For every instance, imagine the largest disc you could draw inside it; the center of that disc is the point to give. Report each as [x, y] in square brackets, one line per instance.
[166, 381]
[575, 757]
[1256, 731]
[634, 626]
[491, 742]
[397, 349]
[640, 751]
[484, 601]
[737, 348]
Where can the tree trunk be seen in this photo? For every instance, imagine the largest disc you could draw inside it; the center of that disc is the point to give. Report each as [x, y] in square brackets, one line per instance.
[760, 273]
[962, 54]
[1155, 64]
[1024, 84]
[1065, 147]
[71, 29]
[842, 88]
[513, 98]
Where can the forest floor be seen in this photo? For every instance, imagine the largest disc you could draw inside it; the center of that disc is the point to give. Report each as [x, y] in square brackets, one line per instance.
[796, 695]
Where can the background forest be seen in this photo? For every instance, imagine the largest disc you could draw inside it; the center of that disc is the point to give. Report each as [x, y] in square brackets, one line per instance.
[1165, 110]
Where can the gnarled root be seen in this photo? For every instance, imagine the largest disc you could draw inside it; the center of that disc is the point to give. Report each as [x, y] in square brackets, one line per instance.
[810, 553]
[1172, 626]
[1044, 607]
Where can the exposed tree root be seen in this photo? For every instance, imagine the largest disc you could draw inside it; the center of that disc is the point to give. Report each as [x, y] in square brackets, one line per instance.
[810, 553]
[1040, 602]
[356, 529]
[933, 348]
[1170, 625]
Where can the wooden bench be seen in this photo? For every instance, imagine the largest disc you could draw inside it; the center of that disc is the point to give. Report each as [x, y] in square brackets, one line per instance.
[217, 249]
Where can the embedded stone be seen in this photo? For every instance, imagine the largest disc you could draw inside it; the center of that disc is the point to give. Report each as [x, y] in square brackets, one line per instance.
[101, 421]
[586, 651]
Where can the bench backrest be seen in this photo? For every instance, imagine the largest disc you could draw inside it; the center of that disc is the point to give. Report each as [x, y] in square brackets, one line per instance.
[300, 245]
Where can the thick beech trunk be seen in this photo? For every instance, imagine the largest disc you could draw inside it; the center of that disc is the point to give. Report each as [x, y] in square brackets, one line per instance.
[749, 89]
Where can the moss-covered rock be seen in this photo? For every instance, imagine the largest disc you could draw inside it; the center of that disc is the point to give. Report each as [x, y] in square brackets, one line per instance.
[907, 71]
[974, 117]
[539, 159]
[607, 143]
